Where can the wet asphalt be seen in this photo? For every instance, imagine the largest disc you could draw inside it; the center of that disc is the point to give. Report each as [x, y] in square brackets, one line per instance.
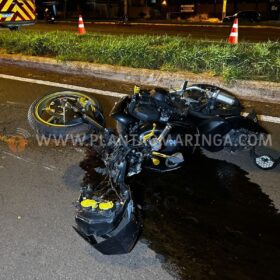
[37, 190]
[216, 218]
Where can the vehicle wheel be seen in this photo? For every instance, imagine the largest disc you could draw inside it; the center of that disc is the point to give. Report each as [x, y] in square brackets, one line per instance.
[14, 28]
[49, 116]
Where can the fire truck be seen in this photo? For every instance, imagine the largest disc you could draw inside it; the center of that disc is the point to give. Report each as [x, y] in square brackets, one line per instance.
[16, 13]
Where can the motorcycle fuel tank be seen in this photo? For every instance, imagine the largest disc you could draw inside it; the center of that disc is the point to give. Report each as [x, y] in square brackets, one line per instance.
[119, 114]
[146, 113]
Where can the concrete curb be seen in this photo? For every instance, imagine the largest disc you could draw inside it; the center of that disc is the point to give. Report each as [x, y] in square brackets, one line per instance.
[259, 91]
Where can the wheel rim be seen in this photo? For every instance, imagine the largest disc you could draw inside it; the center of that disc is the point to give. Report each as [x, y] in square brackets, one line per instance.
[51, 109]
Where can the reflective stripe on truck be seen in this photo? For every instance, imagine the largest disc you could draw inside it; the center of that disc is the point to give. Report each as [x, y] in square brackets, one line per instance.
[17, 10]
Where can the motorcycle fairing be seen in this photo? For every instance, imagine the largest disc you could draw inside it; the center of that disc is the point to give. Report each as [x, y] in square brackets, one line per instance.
[119, 112]
[221, 126]
[211, 127]
[123, 239]
[99, 222]
[120, 240]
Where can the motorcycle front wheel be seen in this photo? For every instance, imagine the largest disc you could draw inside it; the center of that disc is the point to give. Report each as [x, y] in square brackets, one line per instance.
[49, 115]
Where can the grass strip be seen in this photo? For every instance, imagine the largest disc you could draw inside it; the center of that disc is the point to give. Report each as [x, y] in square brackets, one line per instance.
[250, 61]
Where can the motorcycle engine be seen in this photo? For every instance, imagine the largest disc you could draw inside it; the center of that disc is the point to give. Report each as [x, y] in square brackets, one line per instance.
[156, 105]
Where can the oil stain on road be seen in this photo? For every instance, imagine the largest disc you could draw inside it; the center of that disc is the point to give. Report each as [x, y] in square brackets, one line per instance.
[208, 220]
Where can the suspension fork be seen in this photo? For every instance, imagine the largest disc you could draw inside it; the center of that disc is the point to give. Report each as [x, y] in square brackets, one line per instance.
[164, 133]
[79, 109]
[160, 138]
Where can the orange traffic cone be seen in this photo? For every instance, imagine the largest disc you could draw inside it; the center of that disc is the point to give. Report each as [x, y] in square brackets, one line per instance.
[81, 26]
[233, 37]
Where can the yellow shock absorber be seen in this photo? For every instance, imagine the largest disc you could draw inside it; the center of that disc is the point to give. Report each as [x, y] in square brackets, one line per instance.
[160, 155]
[155, 160]
[151, 134]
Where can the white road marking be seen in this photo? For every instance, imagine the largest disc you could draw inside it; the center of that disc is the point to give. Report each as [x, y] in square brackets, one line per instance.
[269, 119]
[18, 157]
[28, 160]
[101, 92]
[265, 118]
[66, 86]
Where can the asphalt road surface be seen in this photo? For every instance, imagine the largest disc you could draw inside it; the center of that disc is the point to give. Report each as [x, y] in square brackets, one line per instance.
[211, 32]
[38, 187]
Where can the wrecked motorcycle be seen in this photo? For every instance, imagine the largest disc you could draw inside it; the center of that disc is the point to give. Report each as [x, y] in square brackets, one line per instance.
[214, 112]
[150, 125]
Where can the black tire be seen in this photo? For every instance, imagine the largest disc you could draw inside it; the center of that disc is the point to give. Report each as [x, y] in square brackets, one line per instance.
[14, 28]
[52, 131]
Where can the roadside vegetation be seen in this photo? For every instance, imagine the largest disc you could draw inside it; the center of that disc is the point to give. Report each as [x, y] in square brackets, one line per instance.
[253, 61]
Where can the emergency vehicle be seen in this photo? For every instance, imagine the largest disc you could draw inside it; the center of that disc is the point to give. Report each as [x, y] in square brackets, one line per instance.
[15, 13]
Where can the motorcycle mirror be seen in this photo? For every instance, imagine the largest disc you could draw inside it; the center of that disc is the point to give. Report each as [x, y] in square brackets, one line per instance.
[265, 162]
[184, 86]
[182, 90]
